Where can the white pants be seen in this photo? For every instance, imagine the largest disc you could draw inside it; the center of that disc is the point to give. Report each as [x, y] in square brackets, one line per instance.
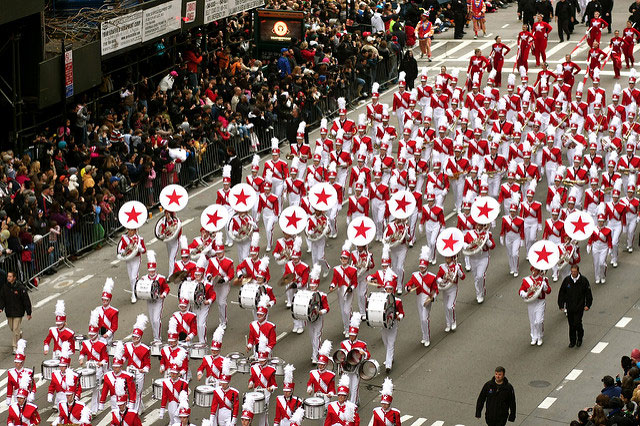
[599, 263]
[172, 410]
[222, 292]
[354, 387]
[398, 254]
[377, 209]
[389, 339]
[440, 195]
[202, 313]
[431, 234]
[294, 199]
[243, 249]
[95, 392]
[413, 220]
[333, 218]
[222, 418]
[155, 317]
[277, 189]
[345, 300]
[530, 232]
[494, 185]
[423, 316]
[59, 397]
[361, 291]
[449, 301]
[632, 223]
[269, 222]
[616, 231]
[512, 243]
[550, 170]
[172, 251]
[315, 333]
[479, 264]
[458, 186]
[317, 253]
[536, 318]
[138, 406]
[133, 266]
[341, 177]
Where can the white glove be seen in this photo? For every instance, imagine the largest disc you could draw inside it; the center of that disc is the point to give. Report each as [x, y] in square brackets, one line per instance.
[161, 415]
[271, 388]
[539, 228]
[589, 249]
[350, 190]
[323, 311]
[258, 217]
[521, 243]
[348, 219]
[501, 240]
[8, 401]
[309, 390]
[50, 397]
[421, 228]
[400, 316]
[46, 349]
[100, 407]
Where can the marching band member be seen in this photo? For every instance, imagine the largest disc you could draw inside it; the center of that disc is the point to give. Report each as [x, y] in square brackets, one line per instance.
[317, 230]
[557, 189]
[111, 378]
[185, 263]
[187, 324]
[439, 179]
[600, 244]
[60, 333]
[94, 352]
[184, 412]
[577, 175]
[341, 158]
[510, 187]
[568, 249]
[631, 213]
[571, 204]
[241, 226]
[396, 235]
[385, 415]
[278, 167]
[628, 165]
[70, 410]
[300, 151]
[201, 244]
[261, 327]
[155, 305]
[263, 376]
[262, 279]
[431, 221]
[379, 193]
[174, 389]
[426, 290]
[531, 212]
[108, 319]
[322, 380]
[413, 218]
[137, 355]
[286, 404]
[610, 177]
[132, 241]
[554, 230]
[122, 414]
[480, 260]
[268, 208]
[255, 181]
[360, 172]
[447, 280]
[202, 309]
[15, 375]
[353, 343]
[615, 211]
[22, 412]
[512, 235]
[345, 279]
[343, 412]
[63, 378]
[401, 98]
[455, 168]
[535, 307]
[212, 365]
[358, 203]
[248, 267]
[226, 399]
[337, 206]
[294, 186]
[389, 335]
[220, 271]
[551, 156]
[466, 223]
[316, 172]
[362, 260]
[296, 276]
[315, 327]
[171, 220]
[171, 350]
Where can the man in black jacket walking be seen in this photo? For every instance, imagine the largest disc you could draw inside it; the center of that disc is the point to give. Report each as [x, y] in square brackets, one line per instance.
[574, 297]
[15, 302]
[564, 12]
[500, 400]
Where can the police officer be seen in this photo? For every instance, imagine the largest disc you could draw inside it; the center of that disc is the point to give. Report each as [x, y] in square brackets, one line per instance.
[574, 297]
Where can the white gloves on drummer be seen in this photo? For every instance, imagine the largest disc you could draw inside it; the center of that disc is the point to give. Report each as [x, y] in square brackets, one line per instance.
[50, 397]
[161, 414]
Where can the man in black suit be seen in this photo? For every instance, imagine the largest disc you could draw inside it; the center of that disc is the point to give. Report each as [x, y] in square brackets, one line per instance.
[236, 166]
[574, 298]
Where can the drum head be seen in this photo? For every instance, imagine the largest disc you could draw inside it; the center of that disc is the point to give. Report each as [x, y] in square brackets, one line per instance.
[87, 371]
[314, 401]
[315, 306]
[51, 363]
[204, 389]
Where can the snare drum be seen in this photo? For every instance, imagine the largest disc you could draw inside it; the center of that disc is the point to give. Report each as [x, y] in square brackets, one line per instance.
[193, 291]
[48, 367]
[157, 389]
[78, 341]
[249, 295]
[156, 349]
[88, 378]
[278, 365]
[314, 408]
[369, 369]
[259, 403]
[198, 351]
[112, 347]
[235, 357]
[243, 366]
[146, 289]
[381, 310]
[203, 396]
[306, 305]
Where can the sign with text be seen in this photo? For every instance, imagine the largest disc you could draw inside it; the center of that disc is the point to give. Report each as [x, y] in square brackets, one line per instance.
[218, 9]
[190, 14]
[68, 70]
[162, 19]
[121, 32]
[279, 26]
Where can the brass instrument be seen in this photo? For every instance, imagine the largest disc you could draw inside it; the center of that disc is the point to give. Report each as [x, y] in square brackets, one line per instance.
[169, 232]
[203, 248]
[178, 276]
[245, 231]
[626, 136]
[535, 290]
[362, 264]
[449, 278]
[321, 229]
[130, 250]
[287, 279]
[567, 255]
[239, 281]
[477, 244]
[569, 182]
[285, 256]
[397, 237]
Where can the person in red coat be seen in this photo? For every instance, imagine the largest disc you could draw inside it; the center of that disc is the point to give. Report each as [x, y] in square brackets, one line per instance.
[345, 280]
[187, 325]
[69, 411]
[596, 25]
[22, 412]
[426, 287]
[385, 415]
[525, 40]
[322, 381]
[261, 327]
[226, 400]
[286, 404]
[342, 412]
[630, 36]
[123, 415]
[541, 32]
[595, 58]
[390, 334]
[600, 244]
[616, 44]
[477, 64]
[498, 51]
[263, 376]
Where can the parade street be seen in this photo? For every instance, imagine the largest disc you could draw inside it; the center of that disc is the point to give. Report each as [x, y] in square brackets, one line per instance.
[434, 385]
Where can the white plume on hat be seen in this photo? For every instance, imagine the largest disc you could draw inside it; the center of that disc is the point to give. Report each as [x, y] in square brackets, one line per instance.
[295, 163]
[578, 151]
[523, 71]
[362, 119]
[333, 167]
[60, 308]
[120, 386]
[226, 171]
[255, 239]
[414, 94]
[325, 348]
[515, 198]
[596, 73]
[342, 103]
[412, 174]
[151, 256]
[263, 302]
[559, 70]
[85, 415]
[385, 109]
[601, 208]
[315, 272]
[555, 202]
[205, 422]
[532, 185]
[347, 245]
[65, 350]
[202, 261]
[526, 96]
[551, 130]
[385, 251]
[617, 90]
[255, 161]
[141, 322]
[387, 387]
[297, 243]
[268, 177]
[455, 72]
[428, 111]
[184, 399]
[275, 143]
[402, 76]
[108, 286]
[297, 416]
[218, 238]
[288, 373]
[226, 366]
[356, 319]
[179, 358]
[302, 127]
[560, 172]
[247, 405]
[492, 74]
[511, 79]
[218, 334]
[344, 380]
[21, 346]
[350, 411]
[631, 182]
[388, 276]
[375, 87]
[580, 87]
[184, 243]
[618, 185]
[487, 92]
[25, 381]
[323, 123]
[423, 72]
[118, 351]
[70, 378]
[173, 326]
[263, 344]
[425, 253]
[574, 192]
[94, 317]
[633, 73]
[264, 263]
[517, 127]
[613, 157]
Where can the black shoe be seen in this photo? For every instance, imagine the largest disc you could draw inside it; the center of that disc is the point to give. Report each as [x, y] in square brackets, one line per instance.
[571, 344]
[579, 343]
[388, 370]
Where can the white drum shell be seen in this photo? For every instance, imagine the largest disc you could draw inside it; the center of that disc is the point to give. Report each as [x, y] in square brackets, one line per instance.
[278, 364]
[188, 290]
[48, 367]
[78, 341]
[314, 408]
[377, 306]
[259, 403]
[143, 289]
[243, 366]
[369, 369]
[302, 308]
[157, 389]
[198, 351]
[203, 396]
[112, 347]
[248, 296]
[88, 378]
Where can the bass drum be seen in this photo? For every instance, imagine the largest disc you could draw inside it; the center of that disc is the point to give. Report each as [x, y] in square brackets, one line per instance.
[193, 291]
[306, 305]
[314, 408]
[146, 289]
[381, 310]
[249, 295]
[369, 369]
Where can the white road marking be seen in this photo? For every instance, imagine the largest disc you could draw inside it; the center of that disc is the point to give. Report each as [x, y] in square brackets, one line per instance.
[624, 321]
[152, 417]
[153, 241]
[548, 402]
[85, 278]
[45, 300]
[489, 35]
[405, 418]
[505, 26]
[448, 53]
[106, 420]
[573, 374]
[3, 323]
[188, 221]
[419, 421]
[469, 54]
[554, 49]
[437, 423]
[281, 335]
[115, 262]
[599, 347]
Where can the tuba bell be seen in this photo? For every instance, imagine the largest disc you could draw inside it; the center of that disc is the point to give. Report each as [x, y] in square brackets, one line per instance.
[130, 250]
[477, 244]
[168, 232]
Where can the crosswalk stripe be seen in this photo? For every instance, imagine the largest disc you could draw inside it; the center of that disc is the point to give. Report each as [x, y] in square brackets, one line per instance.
[405, 418]
[449, 52]
[556, 48]
[152, 417]
[437, 423]
[107, 418]
[419, 421]
[471, 52]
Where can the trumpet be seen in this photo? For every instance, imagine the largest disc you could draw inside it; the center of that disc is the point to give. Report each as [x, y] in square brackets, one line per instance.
[321, 229]
[569, 182]
[449, 278]
[362, 264]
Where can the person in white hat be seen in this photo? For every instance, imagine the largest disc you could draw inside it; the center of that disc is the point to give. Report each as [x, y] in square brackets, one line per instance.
[385, 415]
[383, 160]
[448, 275]
[294, 185]
[600, 244]
[345, 280]
[202, 309]
[480, 260]
[187, 323]
[287, 403]
[202, 244]
[342, 122]
[364, 153]
[353, 343]
[431, 221]
[426, 286]
[155, 306]
[531, 212]
[358, 203]
[70, 410]
[268, 209]
[316, 170]
[170, 352]
[138, 358]
[362, 260]
[535, 307]
[226, 399]
[241, 228]
[401, 98]
[261, 278]
[390, 334]
[317, 230]
[122, 414]
[211, 365]
[94, 352]
[63, 378]
[279, 169]
[131, 240]
[335, 209]
[512, 234]
[615, 211]
[184, 412]
[263, 377]
[255, 181]
[577, 174]
[185, 263]
[556, 188]
[223, 197]
[261, 327]
[396, 235]
[173, 387]
[343, 412]
[171, 220]
[465, 223]
[631, 214]
[457, 166]
[301, 149]
[249, 266]
[15, 374]
[108, 315]
[378, 192]
[341, 158]
[610, 176]
[554, 229]
[220, 271]
[23, 412]
[60, 333]
[296, 275]
[439, 178]
[315, 327]
[322, 380]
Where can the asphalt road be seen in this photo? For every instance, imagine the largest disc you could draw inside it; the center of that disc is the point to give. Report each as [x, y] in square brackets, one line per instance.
[433, 386]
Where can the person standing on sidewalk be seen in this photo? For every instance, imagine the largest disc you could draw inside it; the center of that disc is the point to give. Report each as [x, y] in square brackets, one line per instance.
[500, 399]
[15, 302]
[574, 297]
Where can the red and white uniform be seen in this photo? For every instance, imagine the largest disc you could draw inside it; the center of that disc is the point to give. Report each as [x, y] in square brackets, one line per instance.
[536, 307]
[285, 409]
[265, 328]
[479, 262]
[335, 415]
[69, 414]
[600, 244]
[225, 406]
[58, 386]
[426, 287]
[96, 352]
[109, 388]
[345, 279]
[133, 264]
[171, 397]
[451, 272]
[127, 418]
[187, 324]
[323, 382]
[56, 336]
[27, 415]
[224, 269]
[13, 384]
[390, 417]
[512, 237]
[170, 352]
[138, 357]
[532, 215]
